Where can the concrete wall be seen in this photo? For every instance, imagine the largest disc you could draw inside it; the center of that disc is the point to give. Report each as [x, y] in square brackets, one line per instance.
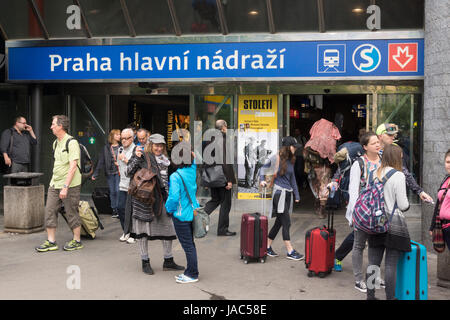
[436, 139]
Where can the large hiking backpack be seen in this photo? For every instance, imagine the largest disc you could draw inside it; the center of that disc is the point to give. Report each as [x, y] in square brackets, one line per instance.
[143, 183]
[85, 165]
[369, 214]
[354, 151]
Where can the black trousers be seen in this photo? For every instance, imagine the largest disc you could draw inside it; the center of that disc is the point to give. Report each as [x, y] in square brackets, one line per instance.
[346, 247]
[222, 197]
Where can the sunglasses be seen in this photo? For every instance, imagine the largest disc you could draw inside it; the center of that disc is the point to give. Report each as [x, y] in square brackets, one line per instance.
[391, 128]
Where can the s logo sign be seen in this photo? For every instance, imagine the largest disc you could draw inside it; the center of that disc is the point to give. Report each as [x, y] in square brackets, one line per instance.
[366, 58]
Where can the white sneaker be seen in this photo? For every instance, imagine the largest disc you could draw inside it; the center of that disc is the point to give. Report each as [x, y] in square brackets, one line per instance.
[131, 240]
[124, 237]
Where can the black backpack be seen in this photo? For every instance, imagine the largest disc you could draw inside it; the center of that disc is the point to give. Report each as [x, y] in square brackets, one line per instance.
[86, 166]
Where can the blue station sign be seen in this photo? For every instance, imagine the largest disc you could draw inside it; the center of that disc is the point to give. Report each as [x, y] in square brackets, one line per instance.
[245, 61]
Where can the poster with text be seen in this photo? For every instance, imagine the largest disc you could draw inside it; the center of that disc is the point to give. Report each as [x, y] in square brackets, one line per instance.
[257, 141]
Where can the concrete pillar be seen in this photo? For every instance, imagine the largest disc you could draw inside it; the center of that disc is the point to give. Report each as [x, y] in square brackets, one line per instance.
[436, 137]
[36, 113]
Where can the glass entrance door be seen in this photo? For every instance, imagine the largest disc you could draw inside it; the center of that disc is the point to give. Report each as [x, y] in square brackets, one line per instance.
[404, 110]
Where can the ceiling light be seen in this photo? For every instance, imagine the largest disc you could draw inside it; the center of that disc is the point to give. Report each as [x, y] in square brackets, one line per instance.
[253, 13]
[358, 10]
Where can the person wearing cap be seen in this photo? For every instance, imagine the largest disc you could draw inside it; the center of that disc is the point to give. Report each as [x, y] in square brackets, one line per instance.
[283, 194]
[152, 222]
[387, 133]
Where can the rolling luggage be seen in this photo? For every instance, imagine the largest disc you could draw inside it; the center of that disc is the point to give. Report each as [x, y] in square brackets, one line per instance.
[254, 229]
[90, 222]
[412, 274]
[102, 202]
[319, 247]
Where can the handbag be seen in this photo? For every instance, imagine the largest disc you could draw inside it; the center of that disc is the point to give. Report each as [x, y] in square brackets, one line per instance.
[398, 234]
[437, 237]
[213, 177]
[200, 223]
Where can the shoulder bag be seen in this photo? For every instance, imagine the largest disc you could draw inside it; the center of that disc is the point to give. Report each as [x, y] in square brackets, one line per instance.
[213, 177]
[200, 223]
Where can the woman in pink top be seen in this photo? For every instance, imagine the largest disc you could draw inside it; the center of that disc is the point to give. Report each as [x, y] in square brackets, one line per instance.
[443, 203]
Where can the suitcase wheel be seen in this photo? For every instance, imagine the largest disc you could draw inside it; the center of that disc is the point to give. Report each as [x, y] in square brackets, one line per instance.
[310, 274]
[242, 257]
[262, 260]
[322, 274]
[246, 261]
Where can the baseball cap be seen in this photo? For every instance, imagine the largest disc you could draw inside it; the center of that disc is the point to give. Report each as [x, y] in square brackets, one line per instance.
[157, 138]
[288, 141]
[388, 128]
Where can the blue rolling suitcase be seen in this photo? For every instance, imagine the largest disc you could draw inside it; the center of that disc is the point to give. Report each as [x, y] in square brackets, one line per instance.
[412, 274]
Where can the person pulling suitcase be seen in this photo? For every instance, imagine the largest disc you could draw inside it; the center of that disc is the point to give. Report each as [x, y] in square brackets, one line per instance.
[283, 194]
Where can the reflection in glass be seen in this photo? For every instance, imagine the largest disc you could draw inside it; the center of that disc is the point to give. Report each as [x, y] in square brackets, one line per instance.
[197, 16]
[105, 17]
[401, 14]
[294, 15]
[246, 16]
[150, 17]
[345, 14]
[18, 20]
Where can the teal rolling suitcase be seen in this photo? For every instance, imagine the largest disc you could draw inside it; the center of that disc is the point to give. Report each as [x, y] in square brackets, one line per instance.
[412, 274]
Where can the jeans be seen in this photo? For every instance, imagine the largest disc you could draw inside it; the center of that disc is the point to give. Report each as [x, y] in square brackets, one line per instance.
[359, 245]
[346, 247]
[185, 235]
[390, 269]
[222, 197]
[113, 184]
[121, 207]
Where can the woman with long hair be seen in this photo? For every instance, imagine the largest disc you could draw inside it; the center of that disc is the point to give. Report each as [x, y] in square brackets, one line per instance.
[152, 222]
[284, 191]
[394, 191]
[107, 160]
[442, 208]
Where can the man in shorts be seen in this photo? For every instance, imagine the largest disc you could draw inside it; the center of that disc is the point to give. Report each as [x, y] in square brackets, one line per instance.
[64, 187]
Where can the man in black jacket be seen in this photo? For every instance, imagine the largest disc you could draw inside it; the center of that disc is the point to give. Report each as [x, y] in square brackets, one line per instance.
[222, 196]
[16, 144]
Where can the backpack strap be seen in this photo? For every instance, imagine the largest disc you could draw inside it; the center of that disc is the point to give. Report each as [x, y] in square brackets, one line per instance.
[67, 150]
[388, 175]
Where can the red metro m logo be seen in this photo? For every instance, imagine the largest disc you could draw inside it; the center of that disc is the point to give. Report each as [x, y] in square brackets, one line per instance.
[402, 57]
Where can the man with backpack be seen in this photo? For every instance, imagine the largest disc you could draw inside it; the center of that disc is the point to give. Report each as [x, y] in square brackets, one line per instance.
[16, 145]
[64, 188]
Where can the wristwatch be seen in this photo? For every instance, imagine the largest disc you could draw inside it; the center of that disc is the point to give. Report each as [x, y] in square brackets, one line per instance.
[65, 186]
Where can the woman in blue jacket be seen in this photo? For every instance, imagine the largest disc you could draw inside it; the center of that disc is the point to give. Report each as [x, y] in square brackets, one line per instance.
[182, 210]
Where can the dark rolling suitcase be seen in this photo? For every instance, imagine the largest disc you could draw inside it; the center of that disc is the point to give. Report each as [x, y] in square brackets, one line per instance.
[412, 274]
[101, 200]
[319, 247]
[254, 229]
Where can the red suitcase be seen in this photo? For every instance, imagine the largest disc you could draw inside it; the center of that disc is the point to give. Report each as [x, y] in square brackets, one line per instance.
[319, 249]
[254, 228]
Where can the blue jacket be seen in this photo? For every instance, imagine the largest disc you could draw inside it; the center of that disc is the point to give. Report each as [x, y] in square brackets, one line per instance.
[178, 202]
